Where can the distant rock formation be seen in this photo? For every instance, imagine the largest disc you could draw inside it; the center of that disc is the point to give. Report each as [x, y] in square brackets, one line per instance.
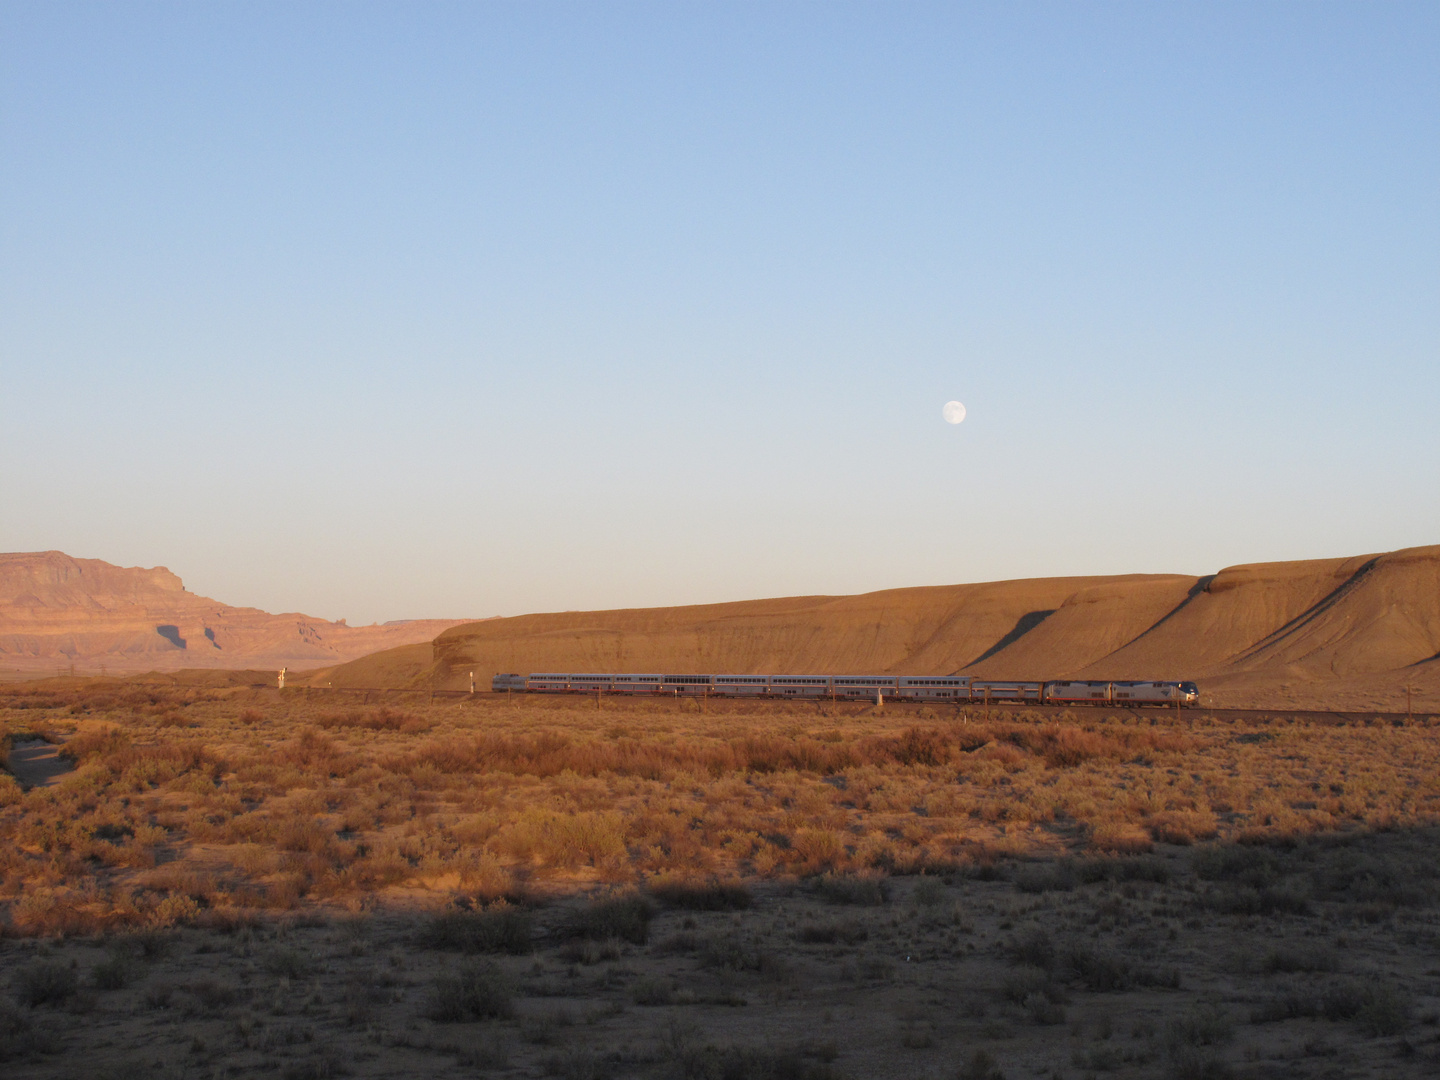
[57, 612]
[1325, 633]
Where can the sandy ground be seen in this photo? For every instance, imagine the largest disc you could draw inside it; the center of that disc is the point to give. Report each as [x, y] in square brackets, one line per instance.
[1043, 976]
[1304, 943]
[37, 763]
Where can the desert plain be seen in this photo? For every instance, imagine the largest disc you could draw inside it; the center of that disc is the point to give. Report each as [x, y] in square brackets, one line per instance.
[206, 876]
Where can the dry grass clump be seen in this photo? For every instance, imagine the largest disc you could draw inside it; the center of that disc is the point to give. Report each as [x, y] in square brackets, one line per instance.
[477, 991]
[867, 890]
[752, 1063]
[115, 973]
[1063, 875]
[45, 982]
[1376, 1008]
[21, 1038]
[683, 891]
[381, 719]
[501, 928]
[614, 918]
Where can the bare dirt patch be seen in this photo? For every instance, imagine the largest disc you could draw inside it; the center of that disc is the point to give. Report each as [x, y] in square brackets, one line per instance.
[37, 763]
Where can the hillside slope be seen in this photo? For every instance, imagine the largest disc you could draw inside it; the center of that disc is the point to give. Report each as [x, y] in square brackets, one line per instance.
[57, 612]
[1346, 632]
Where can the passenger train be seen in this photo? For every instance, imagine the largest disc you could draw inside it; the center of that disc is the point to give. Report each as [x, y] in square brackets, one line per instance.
[941, 688]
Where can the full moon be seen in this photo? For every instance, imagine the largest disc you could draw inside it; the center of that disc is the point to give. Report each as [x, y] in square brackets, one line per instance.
[953, 412]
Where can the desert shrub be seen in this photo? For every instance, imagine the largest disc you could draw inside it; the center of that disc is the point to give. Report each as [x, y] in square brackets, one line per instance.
[45, 982]
[1182, 827]
[1369, 878]
[919, 746]
[144, 944]
[89, 744]
[563, 839]
[20, 1038]
[1291, 897]
[543, 1028]
[211, 997]
[694, 895]
[980, 1066]
[1288, 1006]
[1253, 866]
[1020, 985]
[845, 933]
[728, 953]
[624, 917]
[1377, 1008]
[62, 913]
[1033, 949]
[1098, 1059]
[1190, 1040]
[1385, 1011]
[288, 963]
[485, 881]
[586, 951]
[817, 849]
[1100, 972]
[1144, 868]
[1290, 961]
[929, 892]
[483, 1053]
[475, 992]
[384, 718]
[687, 941]
[1063, 747]
[1205, 1026]
[174, 910]
[114, 830]
[917, 1035]
[732, 1063]
[1193, 1063]
[323, 1066]
[652, 991]
[866, 890]
[578, 1063]
[114, 973]
[1050, 877]
[1042, 1010]
[1121, 838]
[1168, 978]
[500, 928]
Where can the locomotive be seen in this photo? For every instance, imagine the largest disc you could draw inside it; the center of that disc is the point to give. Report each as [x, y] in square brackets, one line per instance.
[939, 688]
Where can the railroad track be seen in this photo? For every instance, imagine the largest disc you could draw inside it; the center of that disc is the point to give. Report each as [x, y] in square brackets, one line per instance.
[1332, 716]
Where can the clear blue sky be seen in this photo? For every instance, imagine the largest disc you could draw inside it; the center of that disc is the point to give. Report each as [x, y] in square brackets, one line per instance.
[427, 309]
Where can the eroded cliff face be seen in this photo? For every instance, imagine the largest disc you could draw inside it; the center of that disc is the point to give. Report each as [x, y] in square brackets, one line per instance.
[1333, 632]
[1342, 633]
[57, 612]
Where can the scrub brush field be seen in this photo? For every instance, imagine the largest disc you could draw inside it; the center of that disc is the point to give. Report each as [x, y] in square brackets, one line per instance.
[236, 882]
